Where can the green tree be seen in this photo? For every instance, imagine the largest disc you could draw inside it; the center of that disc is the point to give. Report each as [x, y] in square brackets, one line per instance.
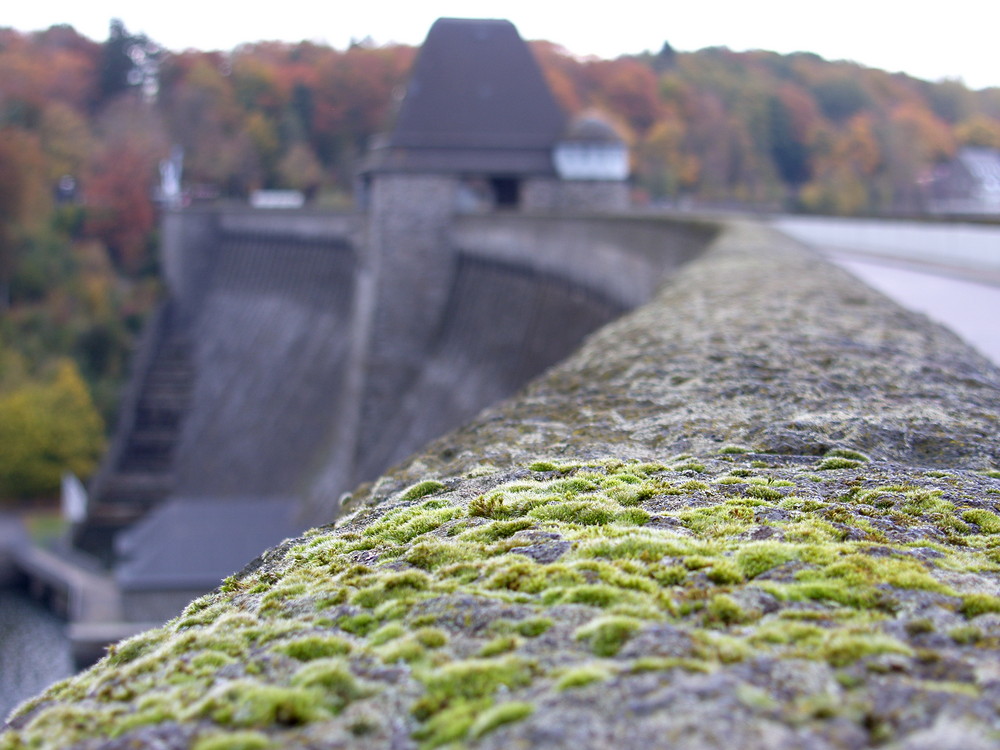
[66, 141]
[979, 130]
[128, 62]
[301, 170]
[841, 96]
[116, 65]
[47, 429]
[788, 150]
[22, 197]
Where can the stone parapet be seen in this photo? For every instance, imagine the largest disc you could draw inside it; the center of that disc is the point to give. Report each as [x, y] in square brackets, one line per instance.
[760, 511]
[757, 342]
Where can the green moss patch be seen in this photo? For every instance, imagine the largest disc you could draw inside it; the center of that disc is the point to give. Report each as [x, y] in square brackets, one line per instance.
[546, 581]
[314, 647]
[234, 741]
[422, 489]
[607, 635]
[582, 676]
[497, 716]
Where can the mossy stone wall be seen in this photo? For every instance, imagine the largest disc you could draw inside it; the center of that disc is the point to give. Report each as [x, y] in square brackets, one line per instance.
[762, 511]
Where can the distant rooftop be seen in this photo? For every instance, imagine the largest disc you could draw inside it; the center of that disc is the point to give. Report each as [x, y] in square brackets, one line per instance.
[592, 127]
[984, 165]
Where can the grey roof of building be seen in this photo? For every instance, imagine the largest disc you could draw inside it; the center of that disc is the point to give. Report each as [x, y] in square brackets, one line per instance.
[190, 543]
[984, 165]
[476, 94]
[591, 127]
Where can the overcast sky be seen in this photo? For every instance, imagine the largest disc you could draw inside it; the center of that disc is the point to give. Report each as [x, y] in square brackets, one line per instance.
[956, 39]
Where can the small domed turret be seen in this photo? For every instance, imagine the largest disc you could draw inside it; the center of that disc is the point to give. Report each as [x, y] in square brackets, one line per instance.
[591, 150]
[592, 128]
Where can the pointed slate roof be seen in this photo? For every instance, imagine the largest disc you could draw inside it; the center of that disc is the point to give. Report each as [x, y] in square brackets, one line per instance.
[476, 101]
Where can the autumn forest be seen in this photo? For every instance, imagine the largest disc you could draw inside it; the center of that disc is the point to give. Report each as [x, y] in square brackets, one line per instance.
[84, 126]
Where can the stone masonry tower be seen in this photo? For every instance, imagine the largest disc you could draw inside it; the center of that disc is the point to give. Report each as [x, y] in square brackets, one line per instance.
[475, 133]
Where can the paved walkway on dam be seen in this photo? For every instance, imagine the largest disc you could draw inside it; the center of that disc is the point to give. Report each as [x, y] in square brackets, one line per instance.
[969, 251]
[950, 272]
[968, 308]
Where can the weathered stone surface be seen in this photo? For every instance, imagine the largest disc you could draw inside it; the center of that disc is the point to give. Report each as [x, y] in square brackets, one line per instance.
[760, 512]
[757, 343]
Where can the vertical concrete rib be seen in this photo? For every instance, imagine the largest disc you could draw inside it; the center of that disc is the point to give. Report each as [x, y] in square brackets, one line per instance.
[338, 473]
[411, 259]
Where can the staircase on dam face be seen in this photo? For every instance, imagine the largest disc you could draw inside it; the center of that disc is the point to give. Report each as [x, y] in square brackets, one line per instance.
[158, 416]
[143, 475]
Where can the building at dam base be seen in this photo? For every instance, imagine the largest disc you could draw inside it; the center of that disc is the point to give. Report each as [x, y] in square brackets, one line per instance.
[299, 353]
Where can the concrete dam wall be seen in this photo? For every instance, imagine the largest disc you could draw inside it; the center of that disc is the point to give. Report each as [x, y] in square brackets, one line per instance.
[264, 375]
[760, 511]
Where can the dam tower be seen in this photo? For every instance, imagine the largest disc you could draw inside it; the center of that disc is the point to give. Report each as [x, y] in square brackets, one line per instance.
[299, 353]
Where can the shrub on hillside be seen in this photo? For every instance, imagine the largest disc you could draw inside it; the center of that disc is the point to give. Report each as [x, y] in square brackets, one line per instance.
[47, 429]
